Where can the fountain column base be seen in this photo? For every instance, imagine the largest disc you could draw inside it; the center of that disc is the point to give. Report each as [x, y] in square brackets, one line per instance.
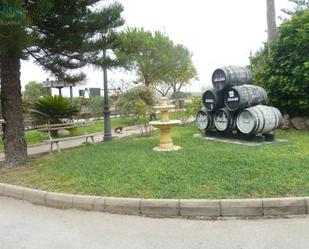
[166, 141]
[173, 148]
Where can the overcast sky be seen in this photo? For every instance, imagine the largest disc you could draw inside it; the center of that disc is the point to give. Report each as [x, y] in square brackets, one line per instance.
[219, 33]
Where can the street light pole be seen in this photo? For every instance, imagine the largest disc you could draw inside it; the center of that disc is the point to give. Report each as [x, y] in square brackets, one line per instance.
[107, 124]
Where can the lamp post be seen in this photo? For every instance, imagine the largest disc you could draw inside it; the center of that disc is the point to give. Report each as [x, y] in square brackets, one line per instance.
[107, 124]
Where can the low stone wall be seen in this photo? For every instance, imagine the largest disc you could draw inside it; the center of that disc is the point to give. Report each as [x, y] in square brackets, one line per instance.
[264, 207]
[298, 123]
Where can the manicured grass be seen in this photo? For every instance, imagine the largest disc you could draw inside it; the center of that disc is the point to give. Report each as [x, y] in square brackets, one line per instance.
[202, 169]
[35, 137]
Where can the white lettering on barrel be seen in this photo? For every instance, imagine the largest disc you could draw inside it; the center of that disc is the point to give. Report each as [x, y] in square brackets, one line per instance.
[232, 99]
[219, 79]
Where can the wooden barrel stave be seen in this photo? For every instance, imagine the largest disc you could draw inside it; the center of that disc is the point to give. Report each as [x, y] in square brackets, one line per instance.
[240, 97]
[231, 76]
[212, 100]
[204, 120]
[258, 119]
[225, 120]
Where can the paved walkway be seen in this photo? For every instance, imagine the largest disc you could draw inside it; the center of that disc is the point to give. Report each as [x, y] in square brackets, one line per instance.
[43, 148]
[23, 225]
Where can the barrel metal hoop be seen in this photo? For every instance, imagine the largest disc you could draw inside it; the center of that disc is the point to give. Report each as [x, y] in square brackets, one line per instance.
[228, 119]
[264, 121]
[227, 75]
[234, 77]
[215, 96]
[247, 90]
[276, 117]
[240, 106]
[256, 121]
[207, 123]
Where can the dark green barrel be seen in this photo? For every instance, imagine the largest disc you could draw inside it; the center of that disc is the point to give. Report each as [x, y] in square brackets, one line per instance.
[240, 97]
[259, 119]
[204, 120]
[231, 76]
[212, 100]
[225, 120]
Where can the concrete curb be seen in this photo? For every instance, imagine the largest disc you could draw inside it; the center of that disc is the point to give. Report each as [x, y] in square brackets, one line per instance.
[284, 206]
[264, 207]
[242, 207]
[122, 205]
[160, 207]
[207, 208]
[59, 200]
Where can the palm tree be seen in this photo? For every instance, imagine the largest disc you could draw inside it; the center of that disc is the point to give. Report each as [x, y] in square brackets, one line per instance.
[53, 109]
[271, 21]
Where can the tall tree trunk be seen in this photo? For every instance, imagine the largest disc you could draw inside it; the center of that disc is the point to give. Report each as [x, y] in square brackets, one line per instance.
[174, 88]
[15, 146]
[271, 21]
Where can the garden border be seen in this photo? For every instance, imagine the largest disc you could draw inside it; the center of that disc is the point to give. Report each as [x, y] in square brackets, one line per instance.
[199, 208]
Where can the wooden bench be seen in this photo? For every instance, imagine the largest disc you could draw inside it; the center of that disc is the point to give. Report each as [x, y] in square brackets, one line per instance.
[49, 128]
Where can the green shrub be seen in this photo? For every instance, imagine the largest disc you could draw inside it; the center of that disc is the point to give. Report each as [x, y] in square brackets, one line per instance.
[130, 101]
[96, 105]
[180, 95]
[190, 110]
[285, 72]
[34, 90]
[193, 107]
[80, 102]
[135, 105]
[53, 109]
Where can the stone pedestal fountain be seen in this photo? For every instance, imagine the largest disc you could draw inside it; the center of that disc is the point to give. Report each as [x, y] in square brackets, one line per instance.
[165, 125]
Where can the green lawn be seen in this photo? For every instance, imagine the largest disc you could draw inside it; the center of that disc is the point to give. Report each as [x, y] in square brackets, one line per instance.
[202, 169]
[35, 137]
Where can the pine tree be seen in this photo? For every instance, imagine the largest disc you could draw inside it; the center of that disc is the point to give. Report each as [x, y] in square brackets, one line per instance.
[301, 6]
[59, 36]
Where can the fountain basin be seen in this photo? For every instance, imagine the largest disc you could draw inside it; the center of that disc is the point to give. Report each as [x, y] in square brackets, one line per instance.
[164, 107]
[166, 142]
[165, 124]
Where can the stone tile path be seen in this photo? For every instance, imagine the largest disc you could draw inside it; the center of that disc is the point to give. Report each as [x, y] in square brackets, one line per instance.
[75, 142]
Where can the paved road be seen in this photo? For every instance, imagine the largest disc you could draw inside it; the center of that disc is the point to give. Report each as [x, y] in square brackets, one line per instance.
[25, 226]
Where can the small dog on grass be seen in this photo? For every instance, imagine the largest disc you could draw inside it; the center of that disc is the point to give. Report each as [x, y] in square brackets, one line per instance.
[118, 130]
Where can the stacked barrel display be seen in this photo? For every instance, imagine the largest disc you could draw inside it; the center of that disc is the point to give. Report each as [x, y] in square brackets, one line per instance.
[233, 105]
